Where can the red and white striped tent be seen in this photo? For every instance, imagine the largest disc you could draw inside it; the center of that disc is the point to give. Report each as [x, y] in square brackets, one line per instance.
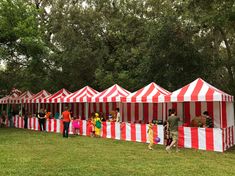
[199, 96]
[82, 95]
[151, 93]
[9, 98]
[112, 94]
[199, 90]
[38, 98]
[23, 97]
[191, 101]
[56, 97]
[4, 100]
[145, 104]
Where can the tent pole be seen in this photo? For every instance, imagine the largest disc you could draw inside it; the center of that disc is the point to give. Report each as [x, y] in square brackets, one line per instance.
[86, 111]
[38, 107]
[21, 109]
[120, 110]
[60, 109]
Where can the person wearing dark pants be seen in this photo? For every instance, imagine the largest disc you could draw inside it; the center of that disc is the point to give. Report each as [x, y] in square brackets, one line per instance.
[26, 120]
[41, 119]
[66, 116]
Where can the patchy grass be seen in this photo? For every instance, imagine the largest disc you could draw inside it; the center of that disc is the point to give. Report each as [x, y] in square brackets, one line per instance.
[25, 152]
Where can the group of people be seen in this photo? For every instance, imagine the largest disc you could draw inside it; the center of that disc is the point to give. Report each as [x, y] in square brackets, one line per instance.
[94, 122]
[171, 129]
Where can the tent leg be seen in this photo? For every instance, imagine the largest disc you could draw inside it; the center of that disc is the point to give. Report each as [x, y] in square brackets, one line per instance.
[86, 111]
[60, 109]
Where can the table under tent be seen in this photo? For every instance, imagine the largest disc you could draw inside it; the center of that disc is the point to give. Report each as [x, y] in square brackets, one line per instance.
[191, 101]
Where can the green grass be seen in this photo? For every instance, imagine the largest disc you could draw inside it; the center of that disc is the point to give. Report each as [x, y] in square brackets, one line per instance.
[25, 152]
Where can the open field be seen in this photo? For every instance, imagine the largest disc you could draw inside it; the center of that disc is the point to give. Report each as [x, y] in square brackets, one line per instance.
[25, 152]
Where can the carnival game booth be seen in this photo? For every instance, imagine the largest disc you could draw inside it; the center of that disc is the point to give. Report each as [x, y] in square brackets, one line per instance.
[34, 103]
[145, 105]
[79, 101]
[53, 102]
[190, 102]
[21, 100]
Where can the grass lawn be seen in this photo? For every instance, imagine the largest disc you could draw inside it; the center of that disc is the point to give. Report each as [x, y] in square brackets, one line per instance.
[25, 152]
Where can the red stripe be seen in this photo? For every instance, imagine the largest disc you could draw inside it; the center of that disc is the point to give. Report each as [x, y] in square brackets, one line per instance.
[187, 112]
[155, 111]
[34, 123]
[194, 137]
[49, 127]
[180, 96]
[150, 89]
[224, 115]
[232, 135]
[143, 133]
[123, 131]
[81, 127]
[113, 130]
[210, 109]
[133, 132]
[104, 129]
[209, 94]
[137, 112]
[88, 128]
[128, 112]
[223, 139]
[181, 136]
[55, 125]
[198, 108]
[194, 95]
[209, 139]
[174, 106]
[145, 113]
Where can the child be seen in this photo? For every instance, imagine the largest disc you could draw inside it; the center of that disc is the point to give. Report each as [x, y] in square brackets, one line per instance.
[167, 138]
[97, 125]
[150, 135]
[76, 126]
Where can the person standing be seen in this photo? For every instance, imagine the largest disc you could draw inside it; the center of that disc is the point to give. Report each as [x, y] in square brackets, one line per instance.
[26, 120]
[150, 136]
[118, 116]
[173, 121]
[66, 116]
[97, 125]
[41, 119]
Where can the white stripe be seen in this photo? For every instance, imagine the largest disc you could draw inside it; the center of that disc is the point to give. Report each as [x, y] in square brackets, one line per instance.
[108, 130]
[117, 130]
[160, 130]
[150, 111]
[216, 113]
[52, 125]
[218, 139]
[187, 137]
[58, 126]
[84, 125]
[202, 92]
[201, 138]
[138, 132]
[188, 93]
[128, 132]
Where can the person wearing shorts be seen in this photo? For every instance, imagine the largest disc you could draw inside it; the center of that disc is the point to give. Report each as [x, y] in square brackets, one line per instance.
[173, 121]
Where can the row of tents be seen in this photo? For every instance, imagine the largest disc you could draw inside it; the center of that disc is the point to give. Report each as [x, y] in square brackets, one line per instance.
[154, 99]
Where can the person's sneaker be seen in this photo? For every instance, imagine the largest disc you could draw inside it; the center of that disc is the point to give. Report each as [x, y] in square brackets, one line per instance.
[168, 149]
[150, 148]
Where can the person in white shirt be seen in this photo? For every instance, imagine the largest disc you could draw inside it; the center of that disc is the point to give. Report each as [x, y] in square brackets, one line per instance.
[118, 117]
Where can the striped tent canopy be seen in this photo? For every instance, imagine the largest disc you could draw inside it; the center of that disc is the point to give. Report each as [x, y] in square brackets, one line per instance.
[38, 98]
[112, 94]
[82, 95]
[151, 93]
[9, 98]
[56, 97]
[198, 90]
[23, 97]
